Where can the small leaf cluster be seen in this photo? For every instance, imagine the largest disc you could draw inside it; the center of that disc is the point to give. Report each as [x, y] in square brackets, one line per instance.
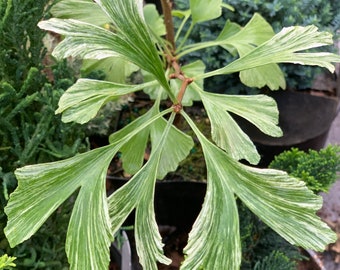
[317, 168]
[7, 262]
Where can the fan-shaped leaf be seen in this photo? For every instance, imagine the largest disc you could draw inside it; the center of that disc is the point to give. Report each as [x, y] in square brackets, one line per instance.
[259, 110]
[133, 152]
[214, 242]
[284, 48]
[41, 190]
[139, 193]
[82, 101]
[205, 10]
[282, 202]
[82, 10]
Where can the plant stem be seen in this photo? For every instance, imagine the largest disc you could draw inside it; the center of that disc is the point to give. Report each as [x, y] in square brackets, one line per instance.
[170, 32]
[186, 36]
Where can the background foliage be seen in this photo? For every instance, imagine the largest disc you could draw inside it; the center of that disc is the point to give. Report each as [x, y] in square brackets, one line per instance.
[317, 168]
[31, 84]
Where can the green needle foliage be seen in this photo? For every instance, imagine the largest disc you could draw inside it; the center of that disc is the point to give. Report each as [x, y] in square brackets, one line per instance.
[282, 202]
[317, 168]
[30, 132]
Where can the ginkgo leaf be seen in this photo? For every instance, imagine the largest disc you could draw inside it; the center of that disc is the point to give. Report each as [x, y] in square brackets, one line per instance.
[139, 44]
[214, 241]
[205, 10]
[171, 156]
[146, 228]
[135, 194]
[260, 110]
[83, 40]
[131, 40]
[92, 197]
[155, 91]
[284, 203]
[269, 75]
[139, 193]
[228, 135]
[133, 152]
[154, 20]
[254, 33]
[82, 101]
[82, 10]
[284, 48]
[116, 69]
[41, 190]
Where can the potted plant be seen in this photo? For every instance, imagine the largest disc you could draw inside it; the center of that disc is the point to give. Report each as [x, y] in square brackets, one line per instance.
[282, 202]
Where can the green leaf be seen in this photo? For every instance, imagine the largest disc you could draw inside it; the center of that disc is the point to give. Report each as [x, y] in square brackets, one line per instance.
[253, 34]
[82, 101]
[214, 242]
[89, 228]
[268, 75]
[171, 156]
[284, 48]
[133, 152]
[205, 10]
[84, 40]
[134, 32]
[156, 91]
[259, 110]
[256, 32]
[284, 203]
[116, 69]
[154, 20]
[41, 190]
[131, 39]
[139, 193]
[82, 10]
[146, 228]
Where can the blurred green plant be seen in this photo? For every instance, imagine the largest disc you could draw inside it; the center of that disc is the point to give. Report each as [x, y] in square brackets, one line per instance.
[282, 202]
[7, 262]
[318, 169]
[276, 260]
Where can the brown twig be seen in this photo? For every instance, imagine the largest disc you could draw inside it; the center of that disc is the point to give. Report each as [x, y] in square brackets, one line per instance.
[172, 61]
[170, 32]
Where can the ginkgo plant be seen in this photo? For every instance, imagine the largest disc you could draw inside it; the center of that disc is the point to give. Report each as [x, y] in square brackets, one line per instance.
[118, 31]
